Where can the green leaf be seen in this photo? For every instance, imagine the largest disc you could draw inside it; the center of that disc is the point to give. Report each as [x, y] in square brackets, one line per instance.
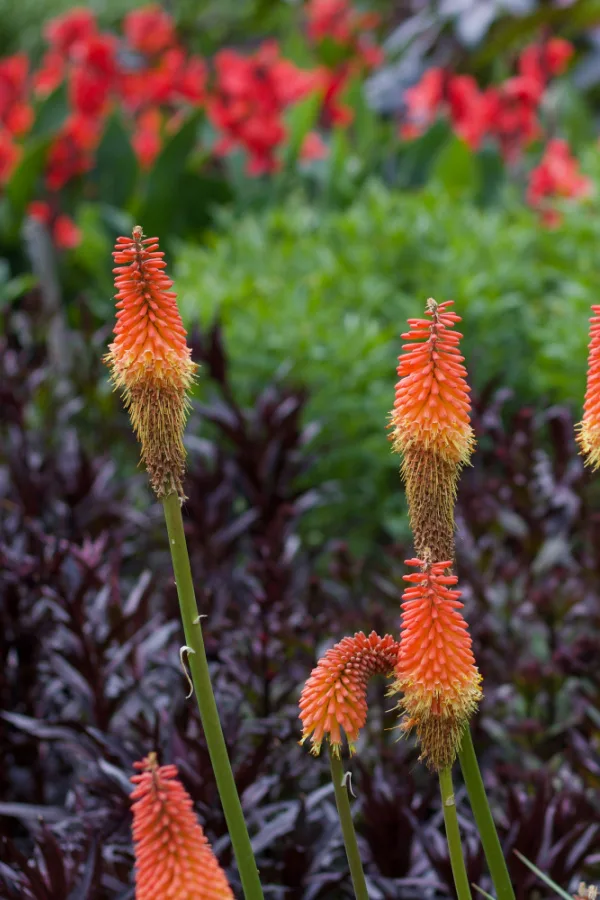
[542, 875]
[456, 169]
[51, 113]
[418, 157]
[21, 187]
[492, 175]
[160, 211]
[572, 111]
[301, 118]
[116, 170]
[93, 252]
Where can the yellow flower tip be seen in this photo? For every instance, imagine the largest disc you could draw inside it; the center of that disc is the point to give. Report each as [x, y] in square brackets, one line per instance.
[334, 699]
[432, 405]
[588, 430]
[149, 359]
[436, 670]
[173, 857]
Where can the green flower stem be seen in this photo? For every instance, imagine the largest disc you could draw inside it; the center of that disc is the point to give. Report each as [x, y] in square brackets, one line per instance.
[483, 819]
[206, 702]
[345, 814]
[457, 861]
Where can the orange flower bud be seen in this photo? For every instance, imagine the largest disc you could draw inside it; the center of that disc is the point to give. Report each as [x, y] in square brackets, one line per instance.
[436, 669]
[173, 857]
[335, 695]
[588, 431]
[430, 427]
[150, 360]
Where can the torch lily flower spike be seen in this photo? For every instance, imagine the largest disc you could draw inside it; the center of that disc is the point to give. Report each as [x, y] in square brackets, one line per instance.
[335, 695]
[431, 428]
[149, 359]
[436, 669]
[173, 857]
[588, 431]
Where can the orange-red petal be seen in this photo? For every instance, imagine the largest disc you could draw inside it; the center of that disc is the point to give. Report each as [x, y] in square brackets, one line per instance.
[150, 360]
[588, 430]
[436, 669]
[432, 405]
[335, 696]
[172, 855]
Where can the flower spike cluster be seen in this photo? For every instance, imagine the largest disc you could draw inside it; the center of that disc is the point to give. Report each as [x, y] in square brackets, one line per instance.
[149, 359]
[436, 669]
[588, 431]
[431, 426]
[334, 697]
[173, 857]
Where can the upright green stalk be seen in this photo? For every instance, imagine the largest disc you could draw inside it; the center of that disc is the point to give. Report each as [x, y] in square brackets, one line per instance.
[483, 818]
[459, 871]
[345, 814]
[206, 702]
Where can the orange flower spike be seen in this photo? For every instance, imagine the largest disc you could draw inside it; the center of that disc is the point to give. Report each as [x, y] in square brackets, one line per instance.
[335, 695]
[431, 426]
[173, 857]
[588, 431]
[436, 669]
[149, 359]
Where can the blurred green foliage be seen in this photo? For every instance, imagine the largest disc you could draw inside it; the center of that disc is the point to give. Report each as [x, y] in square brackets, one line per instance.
[327, 293]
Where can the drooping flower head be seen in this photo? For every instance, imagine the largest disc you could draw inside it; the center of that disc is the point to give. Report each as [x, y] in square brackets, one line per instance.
[431, 427]
[150, 360]
[588, 431]
[172, 855]
[335, 695]
[436, 669]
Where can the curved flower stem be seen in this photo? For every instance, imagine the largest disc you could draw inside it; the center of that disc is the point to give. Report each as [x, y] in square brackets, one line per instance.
[350, 842]
[206, 702]
[483, 818]
[457, 861]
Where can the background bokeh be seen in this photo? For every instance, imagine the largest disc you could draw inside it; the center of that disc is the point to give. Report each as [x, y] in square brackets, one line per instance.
[315, 171]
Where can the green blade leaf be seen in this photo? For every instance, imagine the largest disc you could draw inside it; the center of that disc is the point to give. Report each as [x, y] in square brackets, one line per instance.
[545, 878]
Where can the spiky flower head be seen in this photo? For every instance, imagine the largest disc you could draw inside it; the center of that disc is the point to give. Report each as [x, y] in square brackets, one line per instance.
[588, 431]
[172, 855]
[431, 427]
[436, 670]
[149, 359]
[335, 695]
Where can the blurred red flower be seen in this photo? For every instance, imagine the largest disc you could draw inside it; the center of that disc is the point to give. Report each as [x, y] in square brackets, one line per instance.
[93, 74]
[62, 228]
[313, 147]
[541, 62]
[335, 112]
[425, 98]
[250, 95]
[470, 109]
[146, 138]
[10, 154]
[64, 32]
[337, 21]
[557, 175]
[51, 74]
[71, 152]
[15, 112]
[149, 30]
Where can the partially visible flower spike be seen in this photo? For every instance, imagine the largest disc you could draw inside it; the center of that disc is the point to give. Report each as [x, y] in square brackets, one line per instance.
[436, 669]
[149, 359]
[431, 427]
[335, 695]
[588, 431]
[173, 857]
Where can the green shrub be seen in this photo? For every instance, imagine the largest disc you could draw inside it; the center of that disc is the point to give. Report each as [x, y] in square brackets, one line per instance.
[329, 292]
